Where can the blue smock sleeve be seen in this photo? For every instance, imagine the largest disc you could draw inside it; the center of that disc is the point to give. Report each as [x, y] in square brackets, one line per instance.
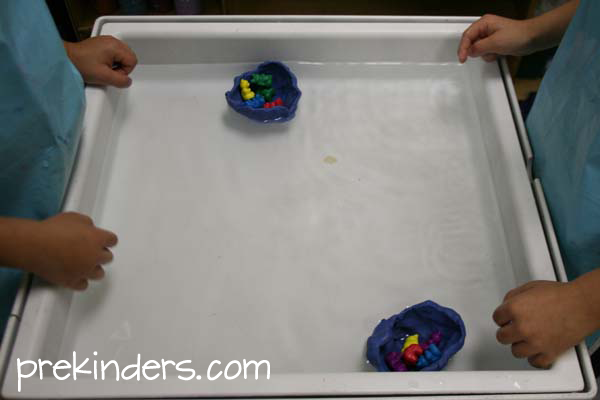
[41, 106]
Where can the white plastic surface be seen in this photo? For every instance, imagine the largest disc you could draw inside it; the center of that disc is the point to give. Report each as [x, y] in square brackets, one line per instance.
[400, 179]
[253, 231]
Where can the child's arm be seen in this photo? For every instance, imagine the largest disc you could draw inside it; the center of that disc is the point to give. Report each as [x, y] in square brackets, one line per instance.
[66, 249]
[491, 35]
[103, 60]
[541, 319]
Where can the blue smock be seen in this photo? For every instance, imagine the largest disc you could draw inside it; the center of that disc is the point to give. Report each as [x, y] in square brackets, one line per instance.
[41, 105]
[564, 129]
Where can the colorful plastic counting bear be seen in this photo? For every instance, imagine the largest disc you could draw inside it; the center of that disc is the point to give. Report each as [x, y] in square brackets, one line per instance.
[275, 103]
[247, 93]
[435, 338]
[264, 92]
[264, 80]
[394, 361]
[431, 355]
[411, 354]
[415, 355]
[256, 102]
[413, 339]
[267, 93]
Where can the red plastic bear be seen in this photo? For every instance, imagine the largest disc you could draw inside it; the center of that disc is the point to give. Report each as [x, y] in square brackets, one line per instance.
[412, 353]
[277, 102]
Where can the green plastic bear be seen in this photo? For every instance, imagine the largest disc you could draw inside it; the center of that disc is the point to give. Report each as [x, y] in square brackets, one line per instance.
[264, 80]
[267, 93]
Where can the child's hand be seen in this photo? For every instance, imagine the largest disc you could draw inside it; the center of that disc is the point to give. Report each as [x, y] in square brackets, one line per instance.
[491, 36]
[103, 60]
[68, 250]
[542, 319]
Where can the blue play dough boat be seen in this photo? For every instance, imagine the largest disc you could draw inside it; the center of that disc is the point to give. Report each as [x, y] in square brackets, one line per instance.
[285, 85]
[424, 319]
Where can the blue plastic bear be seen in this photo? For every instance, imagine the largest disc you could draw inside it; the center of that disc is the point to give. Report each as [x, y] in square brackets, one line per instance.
[431, 355]
[256, 102]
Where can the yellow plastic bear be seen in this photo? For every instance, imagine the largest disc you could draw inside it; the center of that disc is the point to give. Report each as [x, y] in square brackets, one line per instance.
[247, 93]
[414, 339]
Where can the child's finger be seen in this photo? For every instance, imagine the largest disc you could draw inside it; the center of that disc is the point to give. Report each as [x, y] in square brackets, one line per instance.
[105, 257]
[490, 57]
[470, 36]
[508, 334]
[463, 48]
[540, 360]
[502, 315]
[522, 350]
[484, 46]
[76, 217]
[80, 285]
[97, 273]
[109, 239]
[107, 76]
[125, 57]
[519, 289]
